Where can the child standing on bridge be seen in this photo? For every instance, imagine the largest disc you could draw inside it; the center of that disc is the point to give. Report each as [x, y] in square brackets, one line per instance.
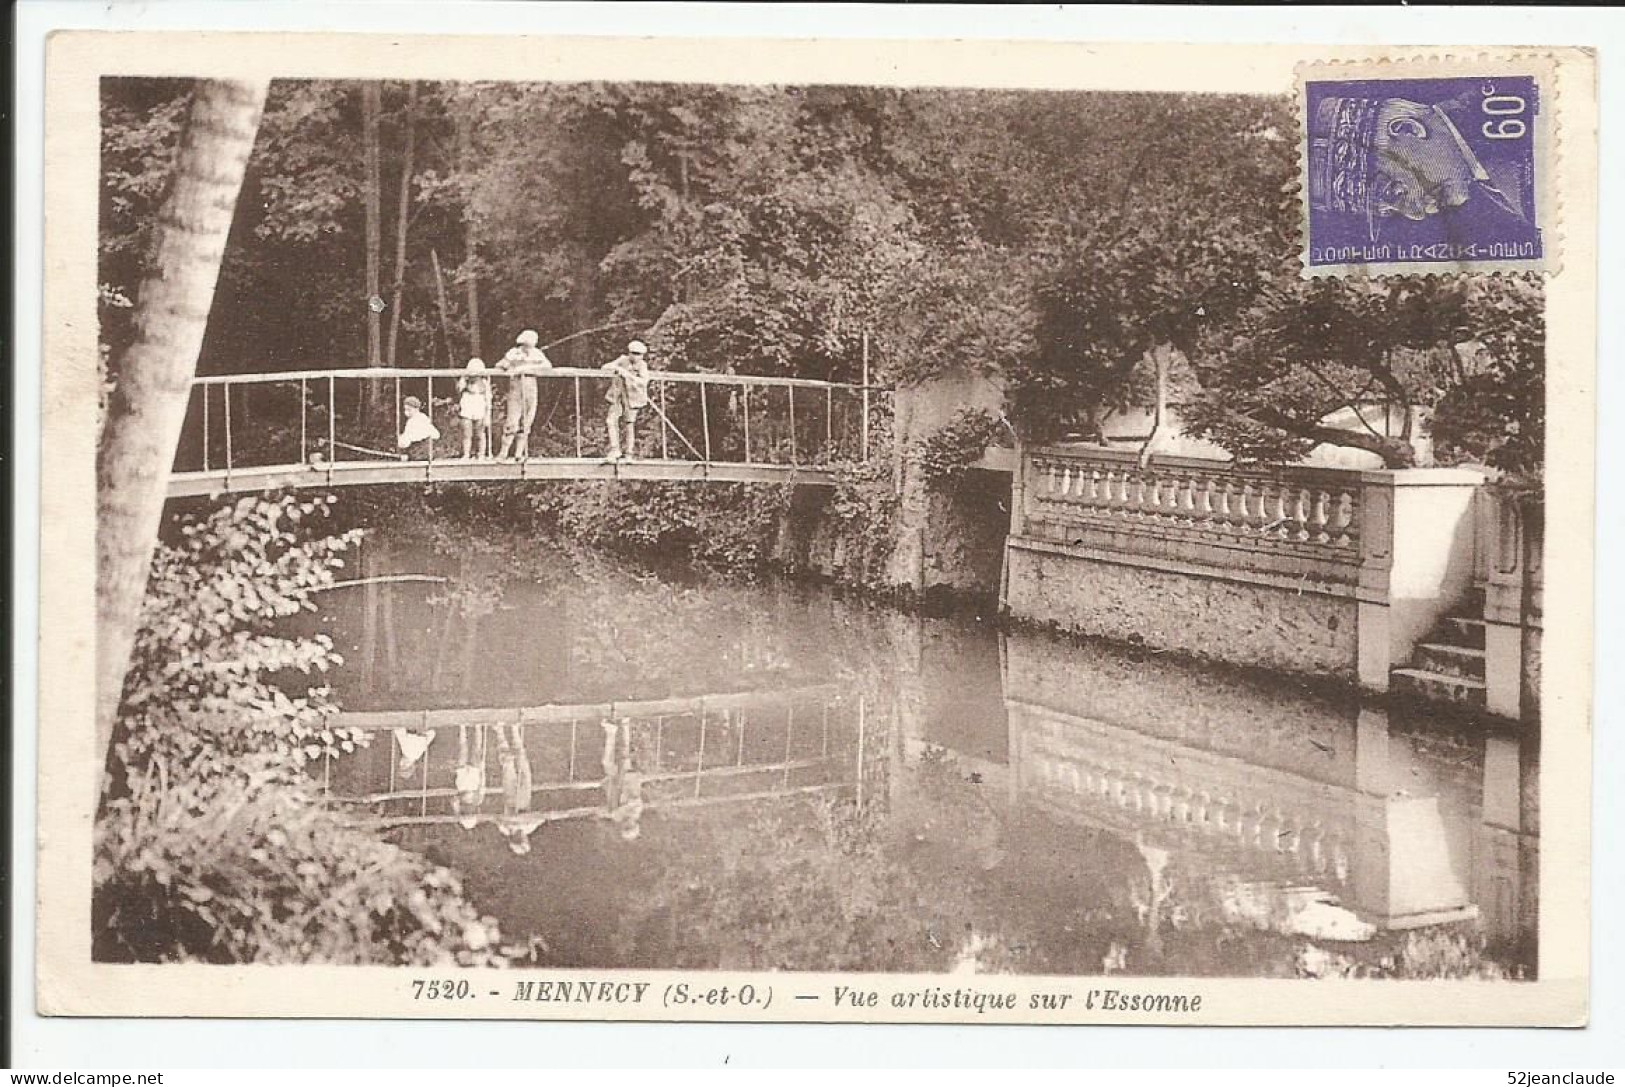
[474, 409]
[628, 391]
[524, 360]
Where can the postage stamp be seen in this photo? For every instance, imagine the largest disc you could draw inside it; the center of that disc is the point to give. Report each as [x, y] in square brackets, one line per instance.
[1432, 168]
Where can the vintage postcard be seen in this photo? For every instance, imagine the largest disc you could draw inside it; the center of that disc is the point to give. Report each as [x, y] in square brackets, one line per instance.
[547, 528]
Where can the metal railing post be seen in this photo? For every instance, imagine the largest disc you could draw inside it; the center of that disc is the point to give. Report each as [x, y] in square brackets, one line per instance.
[829, 424]
[580, 449]
[746, 398]
[205, 428]
[864, 431]
[227, 390]
[699, 766]
[332, 415]
[665, 423]
[793, 458]
[705, 420]
[428, 409]
[789, 740]
[304, 402]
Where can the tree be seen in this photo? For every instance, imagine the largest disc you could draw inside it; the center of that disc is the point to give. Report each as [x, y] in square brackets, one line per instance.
[1456, 345]
[1170, 240]
[148, 406]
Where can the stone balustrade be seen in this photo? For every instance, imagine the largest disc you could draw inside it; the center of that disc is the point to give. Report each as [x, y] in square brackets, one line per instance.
[1320, 570]
[1319, 508]
[1286, 524]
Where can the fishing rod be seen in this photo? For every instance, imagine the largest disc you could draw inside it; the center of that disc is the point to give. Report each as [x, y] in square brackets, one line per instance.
[590, 331]
[364, 449]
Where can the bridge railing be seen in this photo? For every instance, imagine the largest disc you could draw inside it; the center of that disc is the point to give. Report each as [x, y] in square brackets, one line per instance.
[243, 421]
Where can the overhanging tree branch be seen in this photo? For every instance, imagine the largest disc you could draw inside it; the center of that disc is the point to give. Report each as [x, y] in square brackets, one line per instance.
[1394, 453]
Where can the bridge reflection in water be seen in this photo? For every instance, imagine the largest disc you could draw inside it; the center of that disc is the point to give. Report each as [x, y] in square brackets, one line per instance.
[544, 764]
[1065, 798]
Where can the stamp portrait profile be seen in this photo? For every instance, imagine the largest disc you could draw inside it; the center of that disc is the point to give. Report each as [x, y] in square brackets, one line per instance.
[1419, 174]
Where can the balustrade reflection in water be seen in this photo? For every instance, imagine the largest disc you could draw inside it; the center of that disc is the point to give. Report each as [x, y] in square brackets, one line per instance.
[642, 760]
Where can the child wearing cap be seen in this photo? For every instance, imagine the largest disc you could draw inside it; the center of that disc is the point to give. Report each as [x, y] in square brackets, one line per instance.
[474, 409]
[628, 391]
[524, 360]
[419, 432]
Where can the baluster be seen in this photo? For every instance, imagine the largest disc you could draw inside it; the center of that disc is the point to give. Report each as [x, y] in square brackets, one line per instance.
[1066, 482]
[1279, 515]
[1050, 477]
[1152, 502]
[1113, 502]
[1188, 500]
[1204, 501]
[1093, 492]
[1247, 505]
[1300, 513]
[1225, 507]
[1321, 502]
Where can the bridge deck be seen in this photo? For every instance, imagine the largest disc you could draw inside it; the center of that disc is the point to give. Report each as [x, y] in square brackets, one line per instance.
[340, 474]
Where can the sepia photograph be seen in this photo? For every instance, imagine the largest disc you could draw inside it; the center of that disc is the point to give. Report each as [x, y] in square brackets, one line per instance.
[812, 548]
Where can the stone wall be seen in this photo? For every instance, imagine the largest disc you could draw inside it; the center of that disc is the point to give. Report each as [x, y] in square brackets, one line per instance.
[1266, 626]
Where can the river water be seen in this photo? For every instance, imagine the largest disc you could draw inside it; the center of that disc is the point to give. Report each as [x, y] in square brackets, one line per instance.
[633, 770]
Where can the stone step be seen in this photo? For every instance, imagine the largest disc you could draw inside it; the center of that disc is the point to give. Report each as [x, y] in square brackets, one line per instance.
[1438, 686]
[1460, 630]
[1451, 660]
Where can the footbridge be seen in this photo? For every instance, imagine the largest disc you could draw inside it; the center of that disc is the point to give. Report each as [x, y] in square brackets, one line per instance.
[330, 428]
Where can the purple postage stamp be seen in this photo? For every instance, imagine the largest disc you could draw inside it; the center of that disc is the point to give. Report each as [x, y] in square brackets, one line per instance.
[1416, 174]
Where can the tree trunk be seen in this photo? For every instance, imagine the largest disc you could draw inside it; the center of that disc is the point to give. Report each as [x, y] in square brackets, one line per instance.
[445, 309]
[371, 108]
[583, 303]
[148, 407]
[401, 221]
[1159, 411]
[473, 305]
[464, 146]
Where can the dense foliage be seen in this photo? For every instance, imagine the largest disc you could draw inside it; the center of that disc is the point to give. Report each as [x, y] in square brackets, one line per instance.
[779, 230]
[949, 451]
[733, 526]
[212, 843]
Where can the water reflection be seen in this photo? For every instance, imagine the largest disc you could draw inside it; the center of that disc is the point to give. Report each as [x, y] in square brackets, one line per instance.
[640, 772]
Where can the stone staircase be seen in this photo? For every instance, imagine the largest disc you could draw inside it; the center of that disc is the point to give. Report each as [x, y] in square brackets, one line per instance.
[1448, 665]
